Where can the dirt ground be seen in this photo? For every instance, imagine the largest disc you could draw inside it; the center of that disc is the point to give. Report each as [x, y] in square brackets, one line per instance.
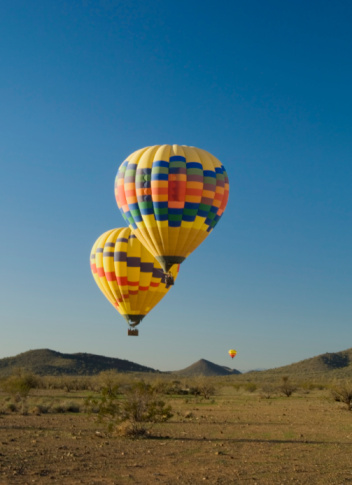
[240, 439]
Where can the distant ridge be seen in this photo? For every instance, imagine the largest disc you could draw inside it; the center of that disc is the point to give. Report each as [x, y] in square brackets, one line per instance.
[50, 363]
[321, 363]
[205, 368]
[329, 365]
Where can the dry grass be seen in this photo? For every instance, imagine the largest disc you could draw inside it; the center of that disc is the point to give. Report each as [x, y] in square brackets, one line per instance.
[240, 435]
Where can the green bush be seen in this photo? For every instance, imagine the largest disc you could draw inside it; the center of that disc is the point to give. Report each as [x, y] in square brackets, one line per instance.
[342, 392]
[286, 387]
[19, 386]
[133, 413]
[250, 386]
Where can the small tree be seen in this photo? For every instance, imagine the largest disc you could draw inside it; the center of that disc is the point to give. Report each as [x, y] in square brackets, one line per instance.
[142, 405]
[19, 386]
[132, 412]
[342, 392]
[286, 387]
[203, 387]
[109, 381]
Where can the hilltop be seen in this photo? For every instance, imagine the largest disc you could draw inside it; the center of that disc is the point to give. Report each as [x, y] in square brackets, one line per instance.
[50, 363]
[329, 365]
[205, 368]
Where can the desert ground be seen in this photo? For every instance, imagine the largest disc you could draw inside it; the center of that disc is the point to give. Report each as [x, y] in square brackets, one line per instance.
[236, 436]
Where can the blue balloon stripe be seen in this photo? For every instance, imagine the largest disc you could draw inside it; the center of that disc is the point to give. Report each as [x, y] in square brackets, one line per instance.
[209, 173]
[161, 217]
[195, 165]
[175, 223]
[187, 218]
[159, 176]
[160, 205]
[160, 163]
[177, 158]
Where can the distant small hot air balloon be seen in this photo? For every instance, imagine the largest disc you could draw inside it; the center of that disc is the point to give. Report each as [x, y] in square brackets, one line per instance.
[128, 275]
[232, 353]
[172, 197]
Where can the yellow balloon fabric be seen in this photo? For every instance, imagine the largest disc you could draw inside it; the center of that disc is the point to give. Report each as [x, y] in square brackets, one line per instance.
[127, 274]
[171, 196]
[232, 353]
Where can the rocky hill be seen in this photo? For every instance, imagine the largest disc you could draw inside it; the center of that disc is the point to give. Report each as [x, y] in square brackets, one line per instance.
[205, 368]
[50, 363]
[327, 366]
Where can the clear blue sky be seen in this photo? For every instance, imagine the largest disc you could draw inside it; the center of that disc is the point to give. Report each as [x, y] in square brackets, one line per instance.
[263, 86]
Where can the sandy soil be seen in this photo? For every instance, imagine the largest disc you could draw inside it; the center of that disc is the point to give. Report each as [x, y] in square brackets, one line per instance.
[240, 439]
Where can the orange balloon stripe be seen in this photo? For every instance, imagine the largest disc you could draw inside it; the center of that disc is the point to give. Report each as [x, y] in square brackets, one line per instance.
[176, 204]
[110, 276]
[141, 192]
[208, 194]
[133, 283]
[121, 280]
[194, 191]
[100, 272]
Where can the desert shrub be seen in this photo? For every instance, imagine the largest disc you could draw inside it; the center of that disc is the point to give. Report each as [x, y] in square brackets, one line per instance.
[57, 408]
[237, 386]
[342, 392]
[162, 386]
[11, 407]
[131, 414]
[203, 387]
[108, 382]
[39, 409]
[67, 383]
[286, 387]
[267, 391]
[19, 386]
[311, 386]
[71, 407]
[250, 386]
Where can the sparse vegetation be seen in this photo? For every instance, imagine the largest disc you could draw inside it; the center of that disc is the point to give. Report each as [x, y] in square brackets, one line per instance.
[203, 387]
[342, 392]
[132, 413]
[19, 386]
[286, 387]
[278, 437]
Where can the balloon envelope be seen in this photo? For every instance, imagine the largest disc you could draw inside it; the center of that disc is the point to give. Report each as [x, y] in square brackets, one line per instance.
[127, 274]
[232, 353]
[172, 197]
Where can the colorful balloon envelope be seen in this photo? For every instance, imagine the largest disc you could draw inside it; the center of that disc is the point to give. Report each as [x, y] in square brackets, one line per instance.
[172, 197]
[232, 353]
[128, 275]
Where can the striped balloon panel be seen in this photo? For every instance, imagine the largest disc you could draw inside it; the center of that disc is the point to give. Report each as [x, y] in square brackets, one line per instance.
[171, 196]
[126, 273]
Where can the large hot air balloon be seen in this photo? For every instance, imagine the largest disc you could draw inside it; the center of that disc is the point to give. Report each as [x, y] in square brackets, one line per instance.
[232, 353]
[172, 197]
[128, 275]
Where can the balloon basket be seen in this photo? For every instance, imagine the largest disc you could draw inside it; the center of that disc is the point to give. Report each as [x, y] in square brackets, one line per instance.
[169, 280]
[133, 332]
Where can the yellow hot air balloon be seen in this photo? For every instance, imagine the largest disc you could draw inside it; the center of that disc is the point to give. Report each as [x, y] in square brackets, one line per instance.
[172, 197]
[232, 353]
[128, 275]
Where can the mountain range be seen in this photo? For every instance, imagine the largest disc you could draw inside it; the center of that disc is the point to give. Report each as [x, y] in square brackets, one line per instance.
[49, 362]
